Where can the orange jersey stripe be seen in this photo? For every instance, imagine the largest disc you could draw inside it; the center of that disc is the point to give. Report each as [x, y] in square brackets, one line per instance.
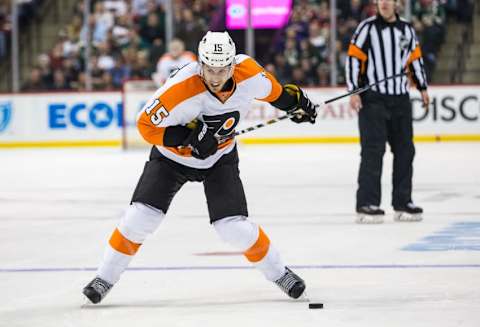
[246, 69]
[258, 250]
[122, 244]
[416, 54]
[183, 151]
[176, 94]
[187, 152]
[182, 91]
[277, 89]
[249, 68]
[151, 134]
[225, 144]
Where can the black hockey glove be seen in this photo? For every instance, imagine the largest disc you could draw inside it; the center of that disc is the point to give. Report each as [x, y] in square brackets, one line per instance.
[305, 111]
[203, 142]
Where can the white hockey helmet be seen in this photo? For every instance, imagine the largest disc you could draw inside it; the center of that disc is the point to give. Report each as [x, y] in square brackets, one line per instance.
[216, 49]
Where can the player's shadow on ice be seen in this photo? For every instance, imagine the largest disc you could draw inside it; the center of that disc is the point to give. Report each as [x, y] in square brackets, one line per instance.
[185, 304]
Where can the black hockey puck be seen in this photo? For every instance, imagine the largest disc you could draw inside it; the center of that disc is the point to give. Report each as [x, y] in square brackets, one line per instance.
[315, 305]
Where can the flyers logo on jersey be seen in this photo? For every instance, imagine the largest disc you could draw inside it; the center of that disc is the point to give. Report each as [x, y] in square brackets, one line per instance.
[156, 112]
[229, 123]
[223, 124]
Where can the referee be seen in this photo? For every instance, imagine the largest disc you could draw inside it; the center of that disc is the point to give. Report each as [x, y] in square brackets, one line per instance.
[382, 46]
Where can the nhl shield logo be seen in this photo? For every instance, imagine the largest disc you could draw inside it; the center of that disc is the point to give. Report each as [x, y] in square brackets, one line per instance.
[5, 115]
[403, 43]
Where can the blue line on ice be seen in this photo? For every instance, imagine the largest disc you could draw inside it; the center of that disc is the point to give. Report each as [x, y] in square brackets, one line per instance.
[166, 268]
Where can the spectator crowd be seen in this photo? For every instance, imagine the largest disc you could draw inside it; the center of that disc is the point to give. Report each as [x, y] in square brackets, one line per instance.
[25, 10]
[302, 53]
[128, 39]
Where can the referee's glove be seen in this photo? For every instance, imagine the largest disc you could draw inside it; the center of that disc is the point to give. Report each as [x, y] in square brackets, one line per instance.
[305, 111]
[202, 141]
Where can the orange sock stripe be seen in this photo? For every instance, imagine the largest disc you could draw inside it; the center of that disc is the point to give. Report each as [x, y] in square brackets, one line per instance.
[123, 245]
[258, 250]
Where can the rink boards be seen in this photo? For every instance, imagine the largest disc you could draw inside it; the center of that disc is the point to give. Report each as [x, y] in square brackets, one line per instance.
[96, 118]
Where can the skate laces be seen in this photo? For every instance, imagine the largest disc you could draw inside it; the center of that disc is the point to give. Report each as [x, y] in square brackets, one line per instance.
[287, 281]
[100, 285]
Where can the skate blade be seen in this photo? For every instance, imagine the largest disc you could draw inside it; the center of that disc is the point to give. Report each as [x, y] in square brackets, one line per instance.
[407, 218]
[86, 304]
[303, 298]
[365, 219]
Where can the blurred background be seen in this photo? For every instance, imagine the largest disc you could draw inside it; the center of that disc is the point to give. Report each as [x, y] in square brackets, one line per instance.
[76, 45]
[76, 72]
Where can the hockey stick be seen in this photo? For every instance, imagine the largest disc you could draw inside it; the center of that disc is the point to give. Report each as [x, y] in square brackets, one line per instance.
[291, 114]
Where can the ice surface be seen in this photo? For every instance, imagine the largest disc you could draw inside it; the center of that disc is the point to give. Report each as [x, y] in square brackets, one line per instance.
[58, 208]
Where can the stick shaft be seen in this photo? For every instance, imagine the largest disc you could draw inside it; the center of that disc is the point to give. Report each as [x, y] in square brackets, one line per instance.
[362, 89]
[276, 120]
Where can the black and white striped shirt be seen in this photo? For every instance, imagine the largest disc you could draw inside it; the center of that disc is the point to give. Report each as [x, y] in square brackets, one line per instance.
[379, 49]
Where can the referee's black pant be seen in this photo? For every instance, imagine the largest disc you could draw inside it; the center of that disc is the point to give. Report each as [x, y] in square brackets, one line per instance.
[385, 118]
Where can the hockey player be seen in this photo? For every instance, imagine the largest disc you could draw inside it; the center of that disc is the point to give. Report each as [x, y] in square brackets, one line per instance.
[214, 93]
[175, 58]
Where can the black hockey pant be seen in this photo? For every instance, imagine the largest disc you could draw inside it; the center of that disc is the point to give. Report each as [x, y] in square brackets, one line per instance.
[385, 118]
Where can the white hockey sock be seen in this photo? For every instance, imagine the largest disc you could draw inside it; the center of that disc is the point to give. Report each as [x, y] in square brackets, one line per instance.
[250, 238]
[113, 265]
[137, 223]
[272, 265]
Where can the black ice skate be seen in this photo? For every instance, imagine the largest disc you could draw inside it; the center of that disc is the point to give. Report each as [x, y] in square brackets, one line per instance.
[370, 215]
[96, 290]
[291, 284]
[408, 213]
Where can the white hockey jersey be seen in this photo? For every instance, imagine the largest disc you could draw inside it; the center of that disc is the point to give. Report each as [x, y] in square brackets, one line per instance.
[184, 98]
[167, 65]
